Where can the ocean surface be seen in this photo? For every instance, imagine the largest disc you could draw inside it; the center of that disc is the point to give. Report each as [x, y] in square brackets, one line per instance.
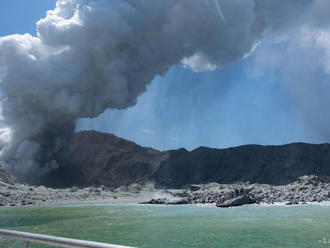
[175, 226]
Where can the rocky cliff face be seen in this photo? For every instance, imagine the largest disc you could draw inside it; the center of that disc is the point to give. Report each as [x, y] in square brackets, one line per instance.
[277, 165]
[5, 177]
[103, 159]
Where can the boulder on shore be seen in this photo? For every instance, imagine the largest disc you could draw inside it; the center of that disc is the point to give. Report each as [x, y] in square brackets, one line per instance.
[166, 201]
[156, 201]
[238, 201]
[195, 187]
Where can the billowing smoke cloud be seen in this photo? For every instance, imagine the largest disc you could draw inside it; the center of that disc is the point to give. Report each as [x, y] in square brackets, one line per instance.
[90, 55]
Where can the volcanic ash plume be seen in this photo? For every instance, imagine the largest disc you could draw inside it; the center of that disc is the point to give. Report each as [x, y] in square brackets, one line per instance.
[90, 55]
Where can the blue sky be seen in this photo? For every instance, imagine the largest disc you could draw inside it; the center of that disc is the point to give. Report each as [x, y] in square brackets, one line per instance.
[232, 106]
[20, 16]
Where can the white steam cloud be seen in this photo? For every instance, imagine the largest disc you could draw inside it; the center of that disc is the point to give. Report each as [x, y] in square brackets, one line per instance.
[90, 55]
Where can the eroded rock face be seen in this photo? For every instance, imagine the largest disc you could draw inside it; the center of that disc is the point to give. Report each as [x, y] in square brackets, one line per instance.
[276, 165]
[103, 159]
[5, 177]
[96, 158]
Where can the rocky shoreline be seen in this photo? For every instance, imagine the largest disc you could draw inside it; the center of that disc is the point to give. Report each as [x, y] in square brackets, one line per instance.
[22, 195]
[304, 190]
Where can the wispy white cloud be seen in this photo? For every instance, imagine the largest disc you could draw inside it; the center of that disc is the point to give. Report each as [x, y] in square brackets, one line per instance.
[148, 131]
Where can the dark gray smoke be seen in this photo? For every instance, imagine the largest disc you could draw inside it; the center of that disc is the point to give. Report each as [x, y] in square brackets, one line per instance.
[90, 55]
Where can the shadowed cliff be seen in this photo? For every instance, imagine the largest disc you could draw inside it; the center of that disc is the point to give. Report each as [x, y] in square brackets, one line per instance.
[98, 158]
[277, 165]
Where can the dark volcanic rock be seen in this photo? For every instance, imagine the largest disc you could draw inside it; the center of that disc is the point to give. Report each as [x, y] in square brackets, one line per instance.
[156, 201]
[5, 177]
[195, 187]
[104, 159]
[235, 202]
[276, 165]
[166, 201]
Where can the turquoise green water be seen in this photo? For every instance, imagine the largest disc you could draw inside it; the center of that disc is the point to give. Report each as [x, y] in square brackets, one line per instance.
[175, 226]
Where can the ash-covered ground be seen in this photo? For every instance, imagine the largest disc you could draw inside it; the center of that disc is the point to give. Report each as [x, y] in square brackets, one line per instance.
[304, 190]
[21, 195]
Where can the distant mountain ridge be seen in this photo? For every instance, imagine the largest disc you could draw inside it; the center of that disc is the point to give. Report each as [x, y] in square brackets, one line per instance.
[276, 165]
[104, 159]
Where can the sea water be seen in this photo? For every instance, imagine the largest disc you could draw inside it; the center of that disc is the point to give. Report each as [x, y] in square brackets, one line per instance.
[157, 226]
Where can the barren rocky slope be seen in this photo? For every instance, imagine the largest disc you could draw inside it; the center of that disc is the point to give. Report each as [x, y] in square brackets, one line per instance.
[104, 159]
[120, 169]
[276, 165]
[21, 194]
[305, 189]
[5, 177]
